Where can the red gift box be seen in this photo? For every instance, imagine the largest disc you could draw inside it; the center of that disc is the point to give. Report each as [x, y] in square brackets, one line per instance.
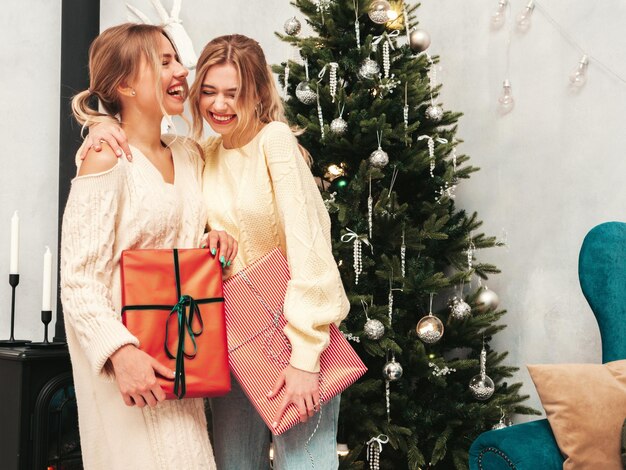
[258, 348]
[172, 301]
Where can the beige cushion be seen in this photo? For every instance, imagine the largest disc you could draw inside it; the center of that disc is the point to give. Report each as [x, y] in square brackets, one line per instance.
[586, 406]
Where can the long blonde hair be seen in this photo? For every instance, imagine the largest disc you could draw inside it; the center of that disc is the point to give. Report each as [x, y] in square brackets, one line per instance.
[114, 56]
[257, 98]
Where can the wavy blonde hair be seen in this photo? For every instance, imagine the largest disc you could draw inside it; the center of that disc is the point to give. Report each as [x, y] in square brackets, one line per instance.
[114, 56]
[257, 98]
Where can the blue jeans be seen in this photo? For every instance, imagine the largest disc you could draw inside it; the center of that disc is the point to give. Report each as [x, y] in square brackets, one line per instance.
[241, 439]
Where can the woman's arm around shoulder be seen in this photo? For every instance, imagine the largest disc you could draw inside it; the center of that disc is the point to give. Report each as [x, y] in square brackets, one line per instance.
[98, 162]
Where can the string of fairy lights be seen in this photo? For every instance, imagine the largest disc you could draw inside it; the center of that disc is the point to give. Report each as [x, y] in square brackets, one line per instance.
[502, 16]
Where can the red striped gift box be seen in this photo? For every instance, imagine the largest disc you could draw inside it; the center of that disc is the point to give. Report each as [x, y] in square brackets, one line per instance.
[258, 349]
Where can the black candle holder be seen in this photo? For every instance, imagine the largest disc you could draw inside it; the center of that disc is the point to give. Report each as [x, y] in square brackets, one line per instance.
[14, 280]
[46, 317]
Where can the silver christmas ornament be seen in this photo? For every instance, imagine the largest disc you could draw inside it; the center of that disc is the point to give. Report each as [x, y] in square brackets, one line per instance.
[374, 329]
[392, 371]
[369, 69]
[459, 309]
[419, 40]
[292, 26]
[434, 113]
[379, 158]
[429, 329]
[379, 11]
[481, 385]
[486, 300]
[500, 425]
[338, 126]
[305, 93]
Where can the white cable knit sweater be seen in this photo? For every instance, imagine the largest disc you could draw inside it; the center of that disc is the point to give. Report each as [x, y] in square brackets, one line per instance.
[264, 195]
[129, 206]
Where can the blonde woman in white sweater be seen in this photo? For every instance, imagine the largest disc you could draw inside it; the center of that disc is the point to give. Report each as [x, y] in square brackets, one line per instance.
[153, 202]
[258, 186]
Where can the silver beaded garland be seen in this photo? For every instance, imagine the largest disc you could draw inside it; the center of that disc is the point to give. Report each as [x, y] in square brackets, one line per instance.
[292, 26]
[305, 93]
[320, 116]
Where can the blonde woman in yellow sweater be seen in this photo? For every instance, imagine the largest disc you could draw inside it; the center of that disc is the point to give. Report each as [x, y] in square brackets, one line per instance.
[258, 187]
[153, 202]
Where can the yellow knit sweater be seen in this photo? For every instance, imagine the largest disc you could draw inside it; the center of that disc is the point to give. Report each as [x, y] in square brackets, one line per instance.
[264, 195]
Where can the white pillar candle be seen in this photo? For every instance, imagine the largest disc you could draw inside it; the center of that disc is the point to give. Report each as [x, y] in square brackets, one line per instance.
[15, 243]
[47, 280]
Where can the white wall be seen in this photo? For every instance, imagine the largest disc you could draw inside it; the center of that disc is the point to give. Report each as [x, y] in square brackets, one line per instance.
[551, 169]
[30, 52]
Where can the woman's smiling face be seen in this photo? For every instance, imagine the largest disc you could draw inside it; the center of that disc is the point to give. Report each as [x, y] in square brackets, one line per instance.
[218, 98]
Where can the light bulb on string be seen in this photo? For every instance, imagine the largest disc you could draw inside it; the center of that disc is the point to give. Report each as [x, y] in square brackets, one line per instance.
[499, 16]
[506, 101]
[524, 18]
[578, 78]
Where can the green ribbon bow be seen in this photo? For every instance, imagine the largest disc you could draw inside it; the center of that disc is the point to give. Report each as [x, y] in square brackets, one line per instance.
[185, 327]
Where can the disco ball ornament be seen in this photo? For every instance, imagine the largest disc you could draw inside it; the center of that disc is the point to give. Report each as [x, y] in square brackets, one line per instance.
[379, 11]
[305, 93]
[374, 329]
[419, 40]
[392, 371]
[338, 126]
[434, 113]
[292, 26]
[429, 329]
[379, 158]
[482, 387]
[369, 69]
[459, 309]
[486, 300]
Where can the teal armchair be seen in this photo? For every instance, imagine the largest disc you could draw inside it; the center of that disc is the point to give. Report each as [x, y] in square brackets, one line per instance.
[602, 275]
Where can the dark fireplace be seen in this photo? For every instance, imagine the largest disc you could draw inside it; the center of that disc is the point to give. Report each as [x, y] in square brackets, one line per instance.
[38, 415]
[38, 418]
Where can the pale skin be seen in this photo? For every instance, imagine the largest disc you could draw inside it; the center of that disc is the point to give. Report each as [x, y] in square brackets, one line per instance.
[219, 107]
[135, 371]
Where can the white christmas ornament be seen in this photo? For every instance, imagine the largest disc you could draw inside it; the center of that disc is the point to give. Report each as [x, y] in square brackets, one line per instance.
[369, 69]
[481, 385]
[434, 113]
[292, 26]
[419, 40]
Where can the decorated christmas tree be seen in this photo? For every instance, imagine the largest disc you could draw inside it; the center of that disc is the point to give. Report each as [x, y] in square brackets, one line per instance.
[364, 89]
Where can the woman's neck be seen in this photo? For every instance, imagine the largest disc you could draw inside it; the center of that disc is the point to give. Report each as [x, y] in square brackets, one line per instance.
[250, 133]
[143, 133]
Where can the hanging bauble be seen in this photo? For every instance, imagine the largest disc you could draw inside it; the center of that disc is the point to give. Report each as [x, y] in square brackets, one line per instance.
[292, 26]
[374, 329]
[434, 113]
[369, 69]
[338, 126]
[379, 11]
[339, 183]
[305, 93]
[459, 309]
[500, 424]
[379, 158]
[486, 300]
[392, 371]
[482, 387]
[334, 171]
[419, 40]
[429, 329]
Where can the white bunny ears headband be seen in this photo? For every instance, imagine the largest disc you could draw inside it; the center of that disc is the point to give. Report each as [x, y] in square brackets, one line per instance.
[173, 26]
